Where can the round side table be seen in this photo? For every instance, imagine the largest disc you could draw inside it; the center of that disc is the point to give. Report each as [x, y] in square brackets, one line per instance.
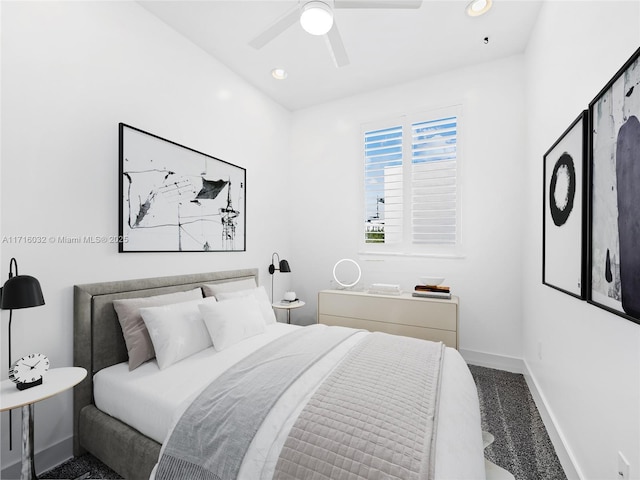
[55, 381]
[288, 306]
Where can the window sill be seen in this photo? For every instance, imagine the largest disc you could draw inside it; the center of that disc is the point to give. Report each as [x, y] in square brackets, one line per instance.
[452, 256]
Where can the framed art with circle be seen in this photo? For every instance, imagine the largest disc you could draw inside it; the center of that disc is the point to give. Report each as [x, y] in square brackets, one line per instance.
[564, 205]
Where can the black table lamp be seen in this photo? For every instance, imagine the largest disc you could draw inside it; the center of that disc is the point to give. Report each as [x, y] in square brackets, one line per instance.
[20, 291]
[283, 266]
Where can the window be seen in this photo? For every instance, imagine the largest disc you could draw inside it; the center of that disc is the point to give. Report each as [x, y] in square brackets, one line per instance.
[383, 185]
[411, 188]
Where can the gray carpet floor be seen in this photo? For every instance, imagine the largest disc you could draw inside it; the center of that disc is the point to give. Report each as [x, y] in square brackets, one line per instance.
[521, 445]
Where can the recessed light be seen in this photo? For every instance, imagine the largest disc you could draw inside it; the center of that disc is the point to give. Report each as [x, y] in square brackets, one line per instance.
[478, 7]
[279, 73]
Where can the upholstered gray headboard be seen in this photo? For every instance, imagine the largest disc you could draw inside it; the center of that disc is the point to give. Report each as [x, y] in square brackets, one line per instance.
[98, 341]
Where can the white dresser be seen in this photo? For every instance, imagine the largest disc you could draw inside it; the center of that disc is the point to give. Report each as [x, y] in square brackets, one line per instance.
[426, 318]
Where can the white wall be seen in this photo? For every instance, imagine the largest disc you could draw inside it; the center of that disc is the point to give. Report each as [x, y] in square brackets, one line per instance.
[589, 370]
[325, 213]
[70, 72]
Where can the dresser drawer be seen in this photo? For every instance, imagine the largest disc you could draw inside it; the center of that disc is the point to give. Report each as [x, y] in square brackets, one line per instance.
[448, 337]
[408, 311]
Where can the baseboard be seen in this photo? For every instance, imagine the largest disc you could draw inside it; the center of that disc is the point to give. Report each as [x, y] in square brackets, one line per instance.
[565, 455]
[491, 360]
[44, 460]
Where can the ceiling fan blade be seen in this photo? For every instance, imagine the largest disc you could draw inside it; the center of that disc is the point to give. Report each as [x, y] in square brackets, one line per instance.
[336, 46]
[377, 3]
[276, 28]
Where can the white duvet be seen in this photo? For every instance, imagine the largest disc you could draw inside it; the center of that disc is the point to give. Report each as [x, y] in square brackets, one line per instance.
[151, 400]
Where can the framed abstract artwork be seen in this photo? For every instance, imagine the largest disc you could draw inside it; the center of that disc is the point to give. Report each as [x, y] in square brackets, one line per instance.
[614, 200]
[564, 206]
[176, 199]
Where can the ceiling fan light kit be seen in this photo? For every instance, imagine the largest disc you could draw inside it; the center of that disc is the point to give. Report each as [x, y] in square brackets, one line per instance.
[316, 18]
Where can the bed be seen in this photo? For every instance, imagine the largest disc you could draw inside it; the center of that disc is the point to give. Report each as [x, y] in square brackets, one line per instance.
[136, 437]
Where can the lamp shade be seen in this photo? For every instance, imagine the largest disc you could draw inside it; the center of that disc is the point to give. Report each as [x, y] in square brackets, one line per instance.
[21, 291]
[284, 266]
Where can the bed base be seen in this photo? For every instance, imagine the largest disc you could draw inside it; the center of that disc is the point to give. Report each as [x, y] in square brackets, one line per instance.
[124, 449]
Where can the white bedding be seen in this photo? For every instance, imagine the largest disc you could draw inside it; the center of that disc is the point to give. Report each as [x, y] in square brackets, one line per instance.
[151, 400]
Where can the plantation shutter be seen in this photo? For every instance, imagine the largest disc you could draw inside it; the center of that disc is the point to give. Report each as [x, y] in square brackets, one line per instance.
[383, 185]
[411, 184]
[434, 181]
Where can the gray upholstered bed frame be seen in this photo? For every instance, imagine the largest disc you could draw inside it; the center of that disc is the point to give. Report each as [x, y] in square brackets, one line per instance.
[98, 343]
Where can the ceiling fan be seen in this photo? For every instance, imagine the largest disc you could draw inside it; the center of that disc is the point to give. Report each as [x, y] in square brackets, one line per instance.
[316, 17]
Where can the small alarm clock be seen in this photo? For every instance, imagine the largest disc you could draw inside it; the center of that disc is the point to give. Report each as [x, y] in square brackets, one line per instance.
[29, 370]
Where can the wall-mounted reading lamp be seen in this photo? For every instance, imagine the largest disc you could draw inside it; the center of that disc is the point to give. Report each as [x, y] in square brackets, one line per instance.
[283, 267]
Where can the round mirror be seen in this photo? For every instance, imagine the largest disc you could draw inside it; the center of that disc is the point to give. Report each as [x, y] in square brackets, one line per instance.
[346, 272]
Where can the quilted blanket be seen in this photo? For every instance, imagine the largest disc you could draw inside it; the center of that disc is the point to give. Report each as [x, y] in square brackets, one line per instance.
[373, 418]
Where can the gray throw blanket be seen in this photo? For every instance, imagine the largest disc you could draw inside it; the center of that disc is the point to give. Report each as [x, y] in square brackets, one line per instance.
[212, 436]
[373, 417]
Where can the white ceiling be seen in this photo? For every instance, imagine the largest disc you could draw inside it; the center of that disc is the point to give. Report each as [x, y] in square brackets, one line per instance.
[385, 47]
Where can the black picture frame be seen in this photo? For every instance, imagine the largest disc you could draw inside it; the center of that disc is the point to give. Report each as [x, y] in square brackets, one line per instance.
[614, 194]
[176, 199]
[565, 210]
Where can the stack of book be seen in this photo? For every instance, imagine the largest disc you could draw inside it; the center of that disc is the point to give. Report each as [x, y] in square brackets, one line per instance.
[432, 291]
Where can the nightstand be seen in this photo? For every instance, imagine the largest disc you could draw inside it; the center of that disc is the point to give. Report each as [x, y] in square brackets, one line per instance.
[55, 381]
[288, 306]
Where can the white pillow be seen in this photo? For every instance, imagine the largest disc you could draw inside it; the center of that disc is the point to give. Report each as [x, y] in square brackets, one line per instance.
[233, 320]
[260, 294]
[213, 289]
[177, 331]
